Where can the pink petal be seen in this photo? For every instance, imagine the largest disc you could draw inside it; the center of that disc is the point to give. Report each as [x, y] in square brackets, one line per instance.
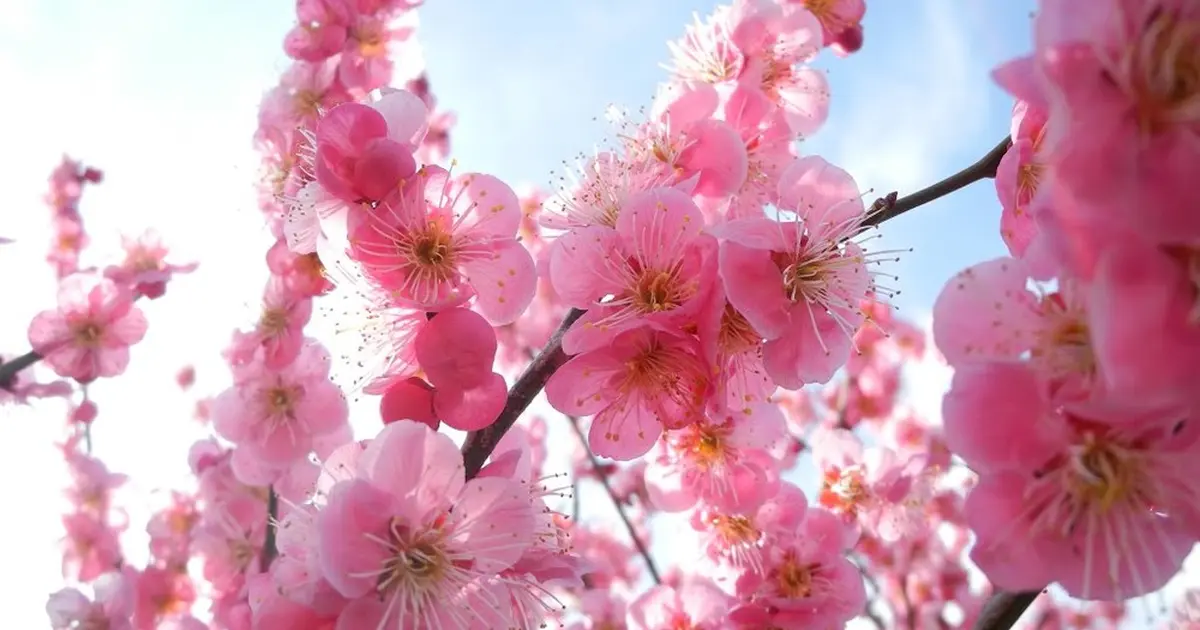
[504, 284]
[456, 348]
[754, 286]
[349, 559]
[471, 409]
[985, 313]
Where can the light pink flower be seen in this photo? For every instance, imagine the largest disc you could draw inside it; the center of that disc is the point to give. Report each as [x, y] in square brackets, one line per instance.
[720, 461]
[795, 281]
[1101, 499]
[985, 313]
[656, 264]
[888, 496]
[410, 539]
[112, 609]
[696, 604]
[88, 336]
[440, 240]
[806, 580]
[637, 385]
[276, 414]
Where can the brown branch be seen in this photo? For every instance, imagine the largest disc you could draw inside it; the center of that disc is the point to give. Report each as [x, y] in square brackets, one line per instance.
[1002, 610]
[891, 206]
[597, 466]
[9, 370]
[480, 444]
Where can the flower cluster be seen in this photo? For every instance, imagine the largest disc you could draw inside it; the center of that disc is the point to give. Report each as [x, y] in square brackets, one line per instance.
[1075, 357]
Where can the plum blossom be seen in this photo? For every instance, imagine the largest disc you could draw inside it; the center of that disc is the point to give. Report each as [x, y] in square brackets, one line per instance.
[88, 336]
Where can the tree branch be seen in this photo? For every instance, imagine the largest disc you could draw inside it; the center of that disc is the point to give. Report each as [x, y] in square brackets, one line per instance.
[890, 207]
[596, 466]
[9, 370]
[1002, 610]
[270, 549]
[480, 444]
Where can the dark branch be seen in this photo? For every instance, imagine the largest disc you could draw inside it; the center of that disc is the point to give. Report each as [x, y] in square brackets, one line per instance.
[480, 444]
[9, 370]
[1002, 610]
[891, 206]
[270, 550]
[603, 477]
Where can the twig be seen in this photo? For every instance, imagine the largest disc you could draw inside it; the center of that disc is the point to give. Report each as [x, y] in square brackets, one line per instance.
[9, 369]
[480, 444]
[597, 466]
[269, 550]
[1002, 610]
[890, 207]
[876, 593]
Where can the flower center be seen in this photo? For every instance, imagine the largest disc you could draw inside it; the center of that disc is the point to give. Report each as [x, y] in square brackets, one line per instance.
[705, 445]
[1189, 257]
[843, 491]
[88, 334]
[310, 265]
[776, 72]
[803, 278]
[281, 401]
[416, 563]
[370, 40]
[1064, 347]
[1103, 474]
[307, 102]
[657, 291]
[795, 580]
[434, 250]
[1167, 62]
[735, 530]
[273, 321]
[736, 335]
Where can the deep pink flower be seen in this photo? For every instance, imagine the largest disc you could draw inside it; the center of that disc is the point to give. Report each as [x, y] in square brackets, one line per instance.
[276, 414]
[88, 336]
[640, 383]
[1121, 87]
[145, 268]
[320, 31]
[439, 240]
[364, 151]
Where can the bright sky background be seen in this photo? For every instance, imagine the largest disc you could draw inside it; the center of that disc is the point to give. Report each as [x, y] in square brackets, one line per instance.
[162, 96]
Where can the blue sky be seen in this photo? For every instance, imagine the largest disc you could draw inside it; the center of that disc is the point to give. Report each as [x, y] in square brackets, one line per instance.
[163, 97]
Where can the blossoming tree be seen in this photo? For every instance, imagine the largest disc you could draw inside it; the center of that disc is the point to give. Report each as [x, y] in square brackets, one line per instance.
[706, 316]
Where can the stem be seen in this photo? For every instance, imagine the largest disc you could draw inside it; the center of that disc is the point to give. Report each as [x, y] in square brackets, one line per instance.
[480, 444]
[637, 540]
[1002, 610]
[890, 207]
[269, 550]
[9, 370]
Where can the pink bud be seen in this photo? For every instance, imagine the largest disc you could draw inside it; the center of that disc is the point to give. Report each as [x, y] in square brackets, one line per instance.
[409, 399]
[84, 413]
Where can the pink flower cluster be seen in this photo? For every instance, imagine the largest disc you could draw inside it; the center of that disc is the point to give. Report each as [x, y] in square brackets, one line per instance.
[1073, 398]
[66, 188]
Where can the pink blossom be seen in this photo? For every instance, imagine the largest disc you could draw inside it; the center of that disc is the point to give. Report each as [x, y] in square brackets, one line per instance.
[1064, 492]
[735, 539]
[806, 581]
[796, 282]
[303, 274]
[1019, 176]
[719, 461]
[769, 149]
[985, 313]
[112, 608]
[408, 399]
[320, 31]
[92, 547]
[409, 538]
[735, 350]
[840, 22]
[277, 414]
[279, 332]
[684, 141]
[1150, 353]
[88, 336]
[145, 268]
[640, 383]
[656, 265]
[303, 90]
[696, 604]
[1120, 84]
[440, 240]
[361, 154]
[873, 487]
